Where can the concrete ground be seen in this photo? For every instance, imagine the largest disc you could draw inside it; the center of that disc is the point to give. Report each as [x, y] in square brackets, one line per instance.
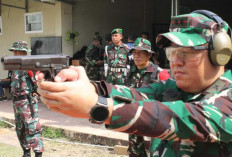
[80, 129]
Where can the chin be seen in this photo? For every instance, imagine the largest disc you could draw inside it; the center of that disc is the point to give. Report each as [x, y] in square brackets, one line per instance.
[182, 85]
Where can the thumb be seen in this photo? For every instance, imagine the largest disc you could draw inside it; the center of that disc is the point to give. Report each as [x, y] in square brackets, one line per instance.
[71, 74]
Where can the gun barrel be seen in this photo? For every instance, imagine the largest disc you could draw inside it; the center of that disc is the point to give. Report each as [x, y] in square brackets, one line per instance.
[49, 64]
[34, 62]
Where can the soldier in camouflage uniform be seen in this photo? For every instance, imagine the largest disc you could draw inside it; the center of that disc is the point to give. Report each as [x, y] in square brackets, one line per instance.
[115, 59]
[141, 74]
[28, 128]
[189, 115]
[94, 60]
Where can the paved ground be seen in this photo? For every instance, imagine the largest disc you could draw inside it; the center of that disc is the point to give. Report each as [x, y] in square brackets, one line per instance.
[80, 129]
[9, 147]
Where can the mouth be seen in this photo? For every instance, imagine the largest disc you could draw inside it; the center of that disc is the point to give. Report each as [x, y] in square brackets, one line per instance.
[179, 73]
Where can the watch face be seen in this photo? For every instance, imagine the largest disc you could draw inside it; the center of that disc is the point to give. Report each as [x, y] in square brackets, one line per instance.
[100, 113]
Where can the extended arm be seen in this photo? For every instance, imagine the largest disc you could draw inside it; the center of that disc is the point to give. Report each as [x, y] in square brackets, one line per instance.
[206, 120]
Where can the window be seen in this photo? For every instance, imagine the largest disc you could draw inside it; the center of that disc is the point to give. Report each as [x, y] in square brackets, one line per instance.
[0, 25]
[33, 22]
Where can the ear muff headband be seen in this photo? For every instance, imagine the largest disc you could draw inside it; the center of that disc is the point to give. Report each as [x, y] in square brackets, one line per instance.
[211, 15]
[220, 46]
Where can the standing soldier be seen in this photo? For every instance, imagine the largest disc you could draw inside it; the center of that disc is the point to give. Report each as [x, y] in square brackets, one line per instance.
[144, 72]
[115, 59]
[23, 90]
[94, 60]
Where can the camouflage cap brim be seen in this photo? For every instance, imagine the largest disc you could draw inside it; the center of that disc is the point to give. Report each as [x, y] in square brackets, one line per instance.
[180, 39]
[141, 48]
[25, 50]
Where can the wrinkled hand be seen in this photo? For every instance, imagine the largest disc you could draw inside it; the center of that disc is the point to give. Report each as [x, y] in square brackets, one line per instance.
[71, 93]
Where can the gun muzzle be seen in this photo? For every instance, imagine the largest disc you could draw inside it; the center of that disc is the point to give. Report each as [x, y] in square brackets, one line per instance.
[2, 59]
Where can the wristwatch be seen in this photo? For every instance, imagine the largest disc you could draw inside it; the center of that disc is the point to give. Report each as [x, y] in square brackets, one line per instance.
[99, 112]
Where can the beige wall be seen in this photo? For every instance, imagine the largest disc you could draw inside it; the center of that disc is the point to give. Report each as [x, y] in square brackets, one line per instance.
[66, 25]
[56, 22]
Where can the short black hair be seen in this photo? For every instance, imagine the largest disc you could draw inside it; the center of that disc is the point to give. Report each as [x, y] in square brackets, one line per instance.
[132, 37]
[108, 37]
[145, 33]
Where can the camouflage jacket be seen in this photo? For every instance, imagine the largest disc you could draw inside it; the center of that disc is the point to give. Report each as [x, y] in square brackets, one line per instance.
[116, 56]
[21, 83]
[93, 54]
[141, 77]
[182, 124]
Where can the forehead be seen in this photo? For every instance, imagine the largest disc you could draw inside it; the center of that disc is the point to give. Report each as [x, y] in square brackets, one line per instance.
[116, 34]
[140, 51]
[17, 51]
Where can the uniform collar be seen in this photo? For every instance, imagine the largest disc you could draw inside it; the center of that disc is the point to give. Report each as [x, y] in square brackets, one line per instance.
[222, 83]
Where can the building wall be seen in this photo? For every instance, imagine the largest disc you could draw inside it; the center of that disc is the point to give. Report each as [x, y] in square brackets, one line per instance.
[66, 25]
[103, 16]
[55, 23]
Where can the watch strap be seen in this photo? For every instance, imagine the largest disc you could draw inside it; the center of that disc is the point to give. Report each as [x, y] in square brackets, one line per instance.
[99, 112]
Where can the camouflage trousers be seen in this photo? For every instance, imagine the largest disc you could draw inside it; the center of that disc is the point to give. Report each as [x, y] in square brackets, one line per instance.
[116, 78]
[138, 147]
[28, 128]
[95, 73]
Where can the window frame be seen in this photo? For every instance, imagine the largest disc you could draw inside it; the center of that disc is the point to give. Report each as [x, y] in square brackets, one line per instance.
[0, 25]
[25, 22]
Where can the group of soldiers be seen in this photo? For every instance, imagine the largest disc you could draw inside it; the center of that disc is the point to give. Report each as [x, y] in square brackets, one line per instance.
[125, 64]
[114, 62]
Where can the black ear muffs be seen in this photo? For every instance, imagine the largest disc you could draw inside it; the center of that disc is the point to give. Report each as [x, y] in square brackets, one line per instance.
[220, 46]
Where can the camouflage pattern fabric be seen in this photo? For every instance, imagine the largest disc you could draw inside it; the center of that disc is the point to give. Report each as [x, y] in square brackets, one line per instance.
[25, 106]
[116, 58]
[93, 55]
[142, 77]
[20, 46]
[191, 30]
[182, 124]
[138, 146]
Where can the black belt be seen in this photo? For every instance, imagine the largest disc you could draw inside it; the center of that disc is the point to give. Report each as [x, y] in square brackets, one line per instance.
[21, 97]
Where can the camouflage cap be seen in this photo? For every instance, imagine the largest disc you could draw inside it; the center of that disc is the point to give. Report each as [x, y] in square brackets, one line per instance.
[20, 46]
[192, 29]
[142, 44]
[117, 30]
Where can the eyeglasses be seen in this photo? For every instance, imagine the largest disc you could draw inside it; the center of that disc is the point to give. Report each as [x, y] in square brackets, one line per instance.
[186, 54]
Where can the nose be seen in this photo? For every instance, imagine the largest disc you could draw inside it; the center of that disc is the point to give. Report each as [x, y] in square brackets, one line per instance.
[177, 60]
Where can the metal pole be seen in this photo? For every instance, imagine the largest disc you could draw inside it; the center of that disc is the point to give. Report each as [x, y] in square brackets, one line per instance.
[177, 10]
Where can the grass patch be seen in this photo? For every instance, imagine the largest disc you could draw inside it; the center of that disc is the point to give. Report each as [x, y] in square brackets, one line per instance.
[4, 124]
[53, 133]
[6, 151]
